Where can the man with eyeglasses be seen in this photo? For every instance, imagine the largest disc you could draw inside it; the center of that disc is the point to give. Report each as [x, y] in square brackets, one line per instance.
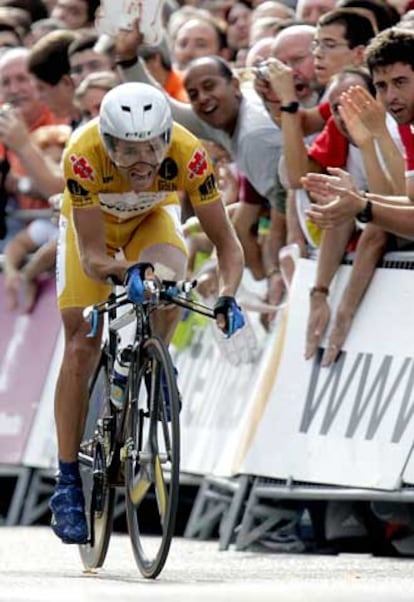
[340, 41]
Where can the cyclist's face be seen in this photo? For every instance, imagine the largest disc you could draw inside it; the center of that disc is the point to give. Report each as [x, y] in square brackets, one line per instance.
[139, 161]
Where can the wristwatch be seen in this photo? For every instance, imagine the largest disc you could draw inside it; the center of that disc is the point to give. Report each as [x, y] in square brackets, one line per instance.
[365, 215]
[292, 107]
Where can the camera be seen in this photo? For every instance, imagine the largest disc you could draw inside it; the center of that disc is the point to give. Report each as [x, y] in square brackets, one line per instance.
[262, 71]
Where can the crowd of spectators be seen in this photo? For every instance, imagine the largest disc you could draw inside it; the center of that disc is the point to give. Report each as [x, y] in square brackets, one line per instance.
[276, 89]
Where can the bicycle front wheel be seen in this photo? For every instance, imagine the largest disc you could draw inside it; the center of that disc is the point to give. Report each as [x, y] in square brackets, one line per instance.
[153, 463]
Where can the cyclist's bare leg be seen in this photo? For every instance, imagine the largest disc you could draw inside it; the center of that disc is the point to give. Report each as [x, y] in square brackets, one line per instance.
[71, 397]
[170, 263]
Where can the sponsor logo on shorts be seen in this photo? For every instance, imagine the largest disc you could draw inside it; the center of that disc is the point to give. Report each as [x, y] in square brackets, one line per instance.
[198, 165]
[81, 168]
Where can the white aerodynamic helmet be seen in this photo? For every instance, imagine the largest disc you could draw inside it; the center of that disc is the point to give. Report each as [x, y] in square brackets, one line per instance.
[134, 112]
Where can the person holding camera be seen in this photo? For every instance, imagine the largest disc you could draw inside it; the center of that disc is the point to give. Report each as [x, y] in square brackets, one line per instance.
[28, 178]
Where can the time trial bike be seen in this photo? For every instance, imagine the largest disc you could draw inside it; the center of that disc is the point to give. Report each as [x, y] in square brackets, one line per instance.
[137, 447]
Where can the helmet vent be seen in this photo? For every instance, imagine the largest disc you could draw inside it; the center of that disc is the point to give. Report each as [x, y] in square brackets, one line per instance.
[126, 109]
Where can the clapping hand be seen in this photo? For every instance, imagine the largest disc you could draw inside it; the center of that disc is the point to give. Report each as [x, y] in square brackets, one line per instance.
[363, 115]
[317, 186]
[357, 101]
[345, 203]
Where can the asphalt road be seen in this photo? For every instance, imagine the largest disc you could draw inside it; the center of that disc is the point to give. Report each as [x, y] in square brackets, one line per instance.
[36, 567]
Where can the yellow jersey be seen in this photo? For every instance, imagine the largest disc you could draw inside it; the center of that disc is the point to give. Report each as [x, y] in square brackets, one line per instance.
[92, 179]
[133, 221]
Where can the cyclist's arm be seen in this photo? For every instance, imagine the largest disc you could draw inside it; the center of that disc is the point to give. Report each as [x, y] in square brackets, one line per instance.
[216, 225]
[89, 226]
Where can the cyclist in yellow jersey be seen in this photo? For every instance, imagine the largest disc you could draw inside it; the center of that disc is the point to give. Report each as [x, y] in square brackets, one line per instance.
[121, 219]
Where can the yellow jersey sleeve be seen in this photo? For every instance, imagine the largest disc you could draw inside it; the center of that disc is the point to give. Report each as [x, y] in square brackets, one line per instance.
[82, 168]
[195, 170]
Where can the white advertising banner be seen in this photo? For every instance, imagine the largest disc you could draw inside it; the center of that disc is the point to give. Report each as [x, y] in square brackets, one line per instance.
[351, 424]
[214, 394]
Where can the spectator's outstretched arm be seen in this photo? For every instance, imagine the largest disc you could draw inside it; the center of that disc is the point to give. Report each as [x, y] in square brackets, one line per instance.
[17, 250]
[294, 150]
[294, 232]
[409, 186]
[272, 244]
[245, 217]
[15, 254]
[397, 218]
[42, 261]
[47, 177]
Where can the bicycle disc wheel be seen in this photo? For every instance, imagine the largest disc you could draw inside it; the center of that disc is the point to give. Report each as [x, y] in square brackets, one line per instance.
[99, 494]
[152, 467]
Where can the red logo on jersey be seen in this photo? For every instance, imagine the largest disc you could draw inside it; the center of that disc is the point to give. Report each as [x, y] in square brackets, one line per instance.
[81, 168]
[198, 164]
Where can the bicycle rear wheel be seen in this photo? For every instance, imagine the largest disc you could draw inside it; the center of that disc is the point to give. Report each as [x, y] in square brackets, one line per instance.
[93, 456]
[153, 464]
